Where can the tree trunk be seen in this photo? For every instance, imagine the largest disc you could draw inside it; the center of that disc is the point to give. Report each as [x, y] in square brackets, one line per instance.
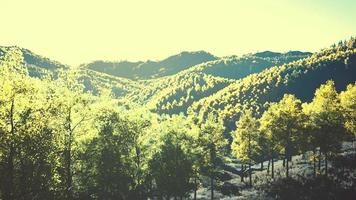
[69, 172]
[195, 188]
[319, 161]
[272, 168]
[212, 157]
[287, 167]
[284, 162]
[250, 174]
[242, 172]
[9, 184]
[326, 163]
[314, 163]
[286, 158]
[68, 158]
[212, 186]
[262, 165]
[249, 160]
[138, 164]
[268, 165]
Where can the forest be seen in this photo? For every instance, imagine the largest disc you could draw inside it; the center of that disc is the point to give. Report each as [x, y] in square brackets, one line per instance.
[193, 126]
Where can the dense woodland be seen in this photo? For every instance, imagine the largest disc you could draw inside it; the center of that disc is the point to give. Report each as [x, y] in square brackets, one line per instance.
[81, 133]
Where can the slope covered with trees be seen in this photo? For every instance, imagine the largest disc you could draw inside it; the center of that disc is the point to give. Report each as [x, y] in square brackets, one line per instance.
[174, 94]
[299, 78]
[237, 67]
[93, 81]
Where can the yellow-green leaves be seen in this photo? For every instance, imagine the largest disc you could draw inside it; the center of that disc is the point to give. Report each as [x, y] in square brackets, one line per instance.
[348, 104]
[245, 137]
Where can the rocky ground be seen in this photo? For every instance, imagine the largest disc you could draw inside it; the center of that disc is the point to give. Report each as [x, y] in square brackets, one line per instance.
[230, 186]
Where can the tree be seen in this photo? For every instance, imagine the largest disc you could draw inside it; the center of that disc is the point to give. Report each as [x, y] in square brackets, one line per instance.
[27, 138]
[211, 142]
[172, 167]
[327, 120]
[107, 163]
[283, 122]
[348, 105]
[245, 144]
[74, 117]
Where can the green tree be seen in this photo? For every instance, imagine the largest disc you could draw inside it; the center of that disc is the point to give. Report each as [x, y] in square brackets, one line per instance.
[283, 123]
[327, 120]
[74, 121]
[107, 164]
[172, 168]
[27, 150]
[245, 144]
[348, 104]
[212, 143]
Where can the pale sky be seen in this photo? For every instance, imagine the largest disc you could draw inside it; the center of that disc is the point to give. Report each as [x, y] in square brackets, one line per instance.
[77, 31]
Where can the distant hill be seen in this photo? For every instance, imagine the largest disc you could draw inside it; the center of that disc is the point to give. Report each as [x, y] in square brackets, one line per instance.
[151, 69]
[236, 67]
[39, 66]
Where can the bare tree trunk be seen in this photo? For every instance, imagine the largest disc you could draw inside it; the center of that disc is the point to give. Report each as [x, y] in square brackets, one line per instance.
[268, 165]
[242, 172]
[9, 191]
[286, 158]
[326, 163]
[272, 168]
[250, 174]
[249, 162]
[262, 165]
[69, 170]
[212, 187]
[212, 157]
[138, 164]
[319, 161]
[314, 162]
[9, 185]
[287, 167]
[68, 158]
[195, 188]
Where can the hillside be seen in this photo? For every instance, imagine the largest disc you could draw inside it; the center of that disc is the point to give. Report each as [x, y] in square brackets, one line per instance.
[174, 94]
[94, 82]
[37, 65]
[300, 77]
[236, 67]
[151, 69]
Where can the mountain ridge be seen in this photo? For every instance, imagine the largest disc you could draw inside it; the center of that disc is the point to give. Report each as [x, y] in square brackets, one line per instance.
[151, 69]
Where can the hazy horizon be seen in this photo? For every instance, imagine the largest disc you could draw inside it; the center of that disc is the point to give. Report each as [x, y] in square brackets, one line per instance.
[80, 32]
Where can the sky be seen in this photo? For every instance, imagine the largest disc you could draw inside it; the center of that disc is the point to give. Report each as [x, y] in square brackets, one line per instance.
[80, 31]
